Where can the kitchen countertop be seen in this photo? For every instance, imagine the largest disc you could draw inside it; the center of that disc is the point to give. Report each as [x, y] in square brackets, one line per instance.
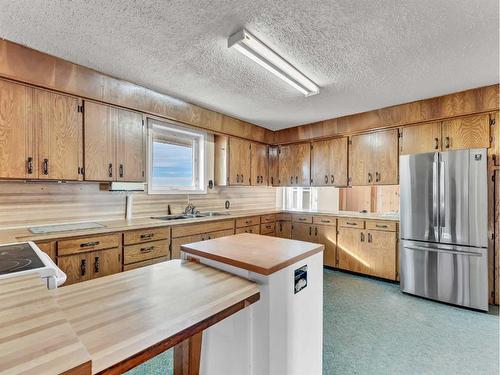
[260, 254]
[23, 234]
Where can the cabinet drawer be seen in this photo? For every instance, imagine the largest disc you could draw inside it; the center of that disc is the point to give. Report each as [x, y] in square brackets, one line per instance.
[325, 220]
[267, 228]
[351, 223]
[283, 217]
[271, 218]
[145, 235]
[79, 245]
[389, 226]
[299, 218]
[255, 229]
[192, 229]
[247, 221]
[141, 252]
[144, 263]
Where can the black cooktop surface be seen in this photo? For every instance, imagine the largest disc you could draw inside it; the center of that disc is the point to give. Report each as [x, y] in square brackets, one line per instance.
[18, 257]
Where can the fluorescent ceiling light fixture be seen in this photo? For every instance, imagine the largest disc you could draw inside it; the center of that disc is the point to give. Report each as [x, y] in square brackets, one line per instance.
[253, 48]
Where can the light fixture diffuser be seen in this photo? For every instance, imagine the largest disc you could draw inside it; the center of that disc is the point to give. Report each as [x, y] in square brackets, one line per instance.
[254, 49]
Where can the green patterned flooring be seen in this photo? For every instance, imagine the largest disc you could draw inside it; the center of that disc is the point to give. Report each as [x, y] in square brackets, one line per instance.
[370, 327]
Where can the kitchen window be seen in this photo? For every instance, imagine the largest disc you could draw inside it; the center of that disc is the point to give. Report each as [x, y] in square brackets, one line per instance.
[176, 159]
[300, 198]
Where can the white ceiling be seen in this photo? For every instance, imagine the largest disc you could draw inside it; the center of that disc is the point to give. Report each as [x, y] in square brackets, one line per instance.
[364, 54]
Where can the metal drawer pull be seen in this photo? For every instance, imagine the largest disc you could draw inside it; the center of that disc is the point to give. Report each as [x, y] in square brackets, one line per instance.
[301, 219]
[147, 235]
[310, 230]
[315, 231]
[369, 237]
[110, 169]
[96, 264]
[349, 223]
[30, 165]
[362, 237]
[325, 221]
[120, 170]
[89, 244]
[83, 267]
[45, 166]
[147, 249]
[377, 177]
[268, 226]
[380, 226]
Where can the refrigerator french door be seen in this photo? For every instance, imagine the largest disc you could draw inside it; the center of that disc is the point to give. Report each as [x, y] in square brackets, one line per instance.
[443, 226]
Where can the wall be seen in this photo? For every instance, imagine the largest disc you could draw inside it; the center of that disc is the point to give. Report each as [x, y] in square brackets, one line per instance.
[32, 203]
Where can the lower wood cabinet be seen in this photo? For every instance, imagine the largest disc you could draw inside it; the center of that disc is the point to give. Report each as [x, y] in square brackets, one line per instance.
[322, 234]
[76, 267]
[284, 229]
[255, 229]
[105, 262]
[178, 242]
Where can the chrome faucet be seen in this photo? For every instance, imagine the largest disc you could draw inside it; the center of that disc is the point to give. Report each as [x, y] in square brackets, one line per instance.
[190, 210]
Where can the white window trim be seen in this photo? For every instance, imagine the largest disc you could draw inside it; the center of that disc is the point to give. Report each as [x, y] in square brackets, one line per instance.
[173, 131]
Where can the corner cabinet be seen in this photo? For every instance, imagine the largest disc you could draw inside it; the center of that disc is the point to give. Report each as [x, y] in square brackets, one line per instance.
[114, 144]
[329, 162]
[295, 164]
[273, 160]
[40, 134]
[373, 158]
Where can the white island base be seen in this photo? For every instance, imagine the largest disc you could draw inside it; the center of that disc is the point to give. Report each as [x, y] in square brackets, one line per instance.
[282, 333]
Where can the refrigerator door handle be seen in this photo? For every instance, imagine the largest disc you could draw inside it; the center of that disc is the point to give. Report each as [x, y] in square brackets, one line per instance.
[432, 249]
[442, 206]
[435, 189]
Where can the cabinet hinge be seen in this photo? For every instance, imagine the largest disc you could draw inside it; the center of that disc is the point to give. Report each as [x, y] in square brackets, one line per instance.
[79, 108]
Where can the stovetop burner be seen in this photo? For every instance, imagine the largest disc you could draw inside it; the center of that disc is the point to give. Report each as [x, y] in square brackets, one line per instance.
[18, 257]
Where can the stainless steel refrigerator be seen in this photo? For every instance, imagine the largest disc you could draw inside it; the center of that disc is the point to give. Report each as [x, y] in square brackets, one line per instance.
[444, 226]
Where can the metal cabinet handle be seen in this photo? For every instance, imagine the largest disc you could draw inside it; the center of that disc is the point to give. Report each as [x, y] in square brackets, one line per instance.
[296, 179]
[326, 179]
[436, 143]
[291, 179]
[349, 223]
[121, 170]
[110, 169]
[447, 142]
[272, 180]
[89, 244]
[209, 237]
[242, 178]
[332, 179]
[301, 219]
[315, 231]
[369, 237]
[146, 236]
[369, 177]
[45, 166]
[362, 236]
[310, 230]
[377, 177]
[147, 249]
[325, 221]
[30, 165]
[380, 226]
[83, 267]
[281, 227]
[96, 264]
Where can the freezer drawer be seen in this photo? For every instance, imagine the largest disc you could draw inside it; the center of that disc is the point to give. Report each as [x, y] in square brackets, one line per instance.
[447, 273]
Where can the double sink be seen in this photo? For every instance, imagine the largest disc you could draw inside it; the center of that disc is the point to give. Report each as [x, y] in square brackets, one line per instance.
[190, 216]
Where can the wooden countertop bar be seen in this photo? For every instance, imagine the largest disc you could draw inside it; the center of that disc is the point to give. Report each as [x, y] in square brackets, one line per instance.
[127, 318]
[260, 254]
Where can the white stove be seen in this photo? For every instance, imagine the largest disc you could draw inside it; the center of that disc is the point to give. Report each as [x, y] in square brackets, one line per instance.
[24, 258]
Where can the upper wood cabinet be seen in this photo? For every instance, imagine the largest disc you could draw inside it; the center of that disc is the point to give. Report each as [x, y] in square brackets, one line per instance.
[40, 134]
[495, 136]
[114, 144]
[295, 164]
[232, 161]
[274, 179]
[329, 162]
[373, 158]
[259, 164]
[420, 138]
[17, 158]
[466, 132]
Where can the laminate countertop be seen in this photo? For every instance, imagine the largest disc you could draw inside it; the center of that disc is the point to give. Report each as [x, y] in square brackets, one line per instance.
[260, 254]
[23, 234]
[117, 321]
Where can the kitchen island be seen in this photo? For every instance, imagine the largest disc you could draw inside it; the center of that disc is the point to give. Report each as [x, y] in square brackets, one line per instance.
[283, 332]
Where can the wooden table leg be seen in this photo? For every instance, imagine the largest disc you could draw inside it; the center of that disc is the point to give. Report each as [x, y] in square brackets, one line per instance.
[187, 356]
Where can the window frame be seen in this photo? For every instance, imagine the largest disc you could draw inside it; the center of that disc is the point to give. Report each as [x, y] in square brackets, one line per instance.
[171, 132]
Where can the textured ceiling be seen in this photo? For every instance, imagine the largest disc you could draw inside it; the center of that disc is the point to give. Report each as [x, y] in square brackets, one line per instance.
[363, 54]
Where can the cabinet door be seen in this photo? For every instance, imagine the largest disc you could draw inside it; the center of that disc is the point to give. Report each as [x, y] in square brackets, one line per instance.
[105, 262]
[381, 254]
[361, 160]
[466, 132]
[99, 143]
[338, 172]
[178, 242]
[385, 157]
[302, 232]
[327, 236]
[301, 156]
[420, 138]
[273, 166]
[321, 163]
[130, 145]
[351, 254]
[17, 159]
[58, 127]
[285, 166]
[259, 164]
[495, 136]
[76, 267]
[284, 229]
[239, 162]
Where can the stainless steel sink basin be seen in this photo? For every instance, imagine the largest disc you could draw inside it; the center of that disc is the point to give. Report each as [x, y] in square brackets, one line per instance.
[214, 213]
[193, 216]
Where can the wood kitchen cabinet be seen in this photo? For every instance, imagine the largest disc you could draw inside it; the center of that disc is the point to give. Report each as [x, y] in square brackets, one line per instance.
[76, 267]
[259, 164]
[466, 132]
[329, 162]
[420, 138]
[114, 144]
[295, 165]
[273, 178]
[373, 158]
[105, 262]
[178, 242]
[302, 232]
[284, 229]
[232, 161]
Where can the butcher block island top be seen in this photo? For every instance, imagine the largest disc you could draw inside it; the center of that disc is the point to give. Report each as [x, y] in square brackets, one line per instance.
[260, 254]
[121, 320]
